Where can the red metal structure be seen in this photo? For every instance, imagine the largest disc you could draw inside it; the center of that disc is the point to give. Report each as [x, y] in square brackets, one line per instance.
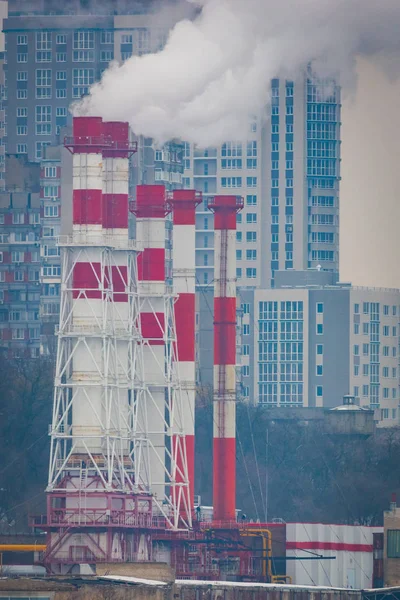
[183, 203]
[225, 209]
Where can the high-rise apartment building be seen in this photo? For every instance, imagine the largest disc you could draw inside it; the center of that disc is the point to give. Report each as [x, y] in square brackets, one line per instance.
[310, 340]
[288, 172]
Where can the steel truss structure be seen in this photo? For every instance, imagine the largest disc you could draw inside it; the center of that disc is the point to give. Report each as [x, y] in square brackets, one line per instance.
[103, 501]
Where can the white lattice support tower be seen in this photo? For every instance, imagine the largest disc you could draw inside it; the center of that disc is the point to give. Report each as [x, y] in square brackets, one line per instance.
[159, 412]
[184, 204]
[92, 509]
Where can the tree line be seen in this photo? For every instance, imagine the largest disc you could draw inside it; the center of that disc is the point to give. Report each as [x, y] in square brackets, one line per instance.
[284, 469]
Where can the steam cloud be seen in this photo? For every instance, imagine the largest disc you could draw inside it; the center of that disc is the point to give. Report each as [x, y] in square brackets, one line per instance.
[215, 70]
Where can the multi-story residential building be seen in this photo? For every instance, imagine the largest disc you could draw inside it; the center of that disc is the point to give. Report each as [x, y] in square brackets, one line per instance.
[20, 273]
[55, 51]
[288, 172]
[310, 340]
[50, 273]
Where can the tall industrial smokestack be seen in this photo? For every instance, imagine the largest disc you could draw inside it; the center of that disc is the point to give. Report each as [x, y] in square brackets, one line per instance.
[224, 410]
[151, 209]
[116, 153]
[184, 204]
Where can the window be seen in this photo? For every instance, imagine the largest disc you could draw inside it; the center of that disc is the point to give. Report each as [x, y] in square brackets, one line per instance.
[251, 254]
[231, 163]
[366, 308]
[251, 236]
[22, 40]
[251, 181]
[51, 211]
[394, 372]
[61, 111]
[22, 75]
[251, 200]
[385, 372]
[246, 371]
[319, 391]
[22, 149]
[356, 370]
[43, 120]
[251, 273]
[238, 236]
[320, 329]
[50, 172]
[320, 307]
[365, 390]
[22, 94]
[356, 328]
[43, 46]
[22, 57]
[385, 350]
[17, 257]
[61, 57]
[246, 308]
[18, 275]
[107, 56]
[320, 370]
[386, 393]
[18, 334]
[320, 349]
[43, 83]
[50, 191]
[22, 130]
[238, 255]
[246, 329]
[39, 149]
[238, 273]
[107, 37]
[231, 182]
[61, 38]
[251, 218]
[18, 218]
[365, 349]
[246, 349]
[83, 46]
[386, 330]
[385, 309]
[81, 80]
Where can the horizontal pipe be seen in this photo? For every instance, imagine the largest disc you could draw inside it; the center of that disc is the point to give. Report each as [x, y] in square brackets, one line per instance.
[22, 547]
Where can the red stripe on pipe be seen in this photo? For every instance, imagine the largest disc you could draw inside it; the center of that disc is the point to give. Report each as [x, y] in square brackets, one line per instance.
[115, 211]
[119, 279]
[150, 201]
[225, 219]
[224, 331]
[184, 216]
[224, 479]
[341, 546]
[152, 326]
[151, 264]
[87, 126]
[185, 327]
[87, 207]
[86, 278]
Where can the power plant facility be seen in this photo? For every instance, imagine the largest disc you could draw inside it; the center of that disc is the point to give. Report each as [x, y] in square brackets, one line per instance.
[121, 474]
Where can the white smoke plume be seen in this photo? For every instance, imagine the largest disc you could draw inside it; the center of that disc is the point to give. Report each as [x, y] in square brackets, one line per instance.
[215, 70]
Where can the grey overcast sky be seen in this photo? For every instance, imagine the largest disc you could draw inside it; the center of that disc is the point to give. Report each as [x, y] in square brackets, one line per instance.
[370, 198]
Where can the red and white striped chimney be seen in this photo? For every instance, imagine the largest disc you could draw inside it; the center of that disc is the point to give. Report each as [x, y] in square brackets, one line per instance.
[151, 210]
[184, 204]
[224, 410]
[89, 280]
[115, 227]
